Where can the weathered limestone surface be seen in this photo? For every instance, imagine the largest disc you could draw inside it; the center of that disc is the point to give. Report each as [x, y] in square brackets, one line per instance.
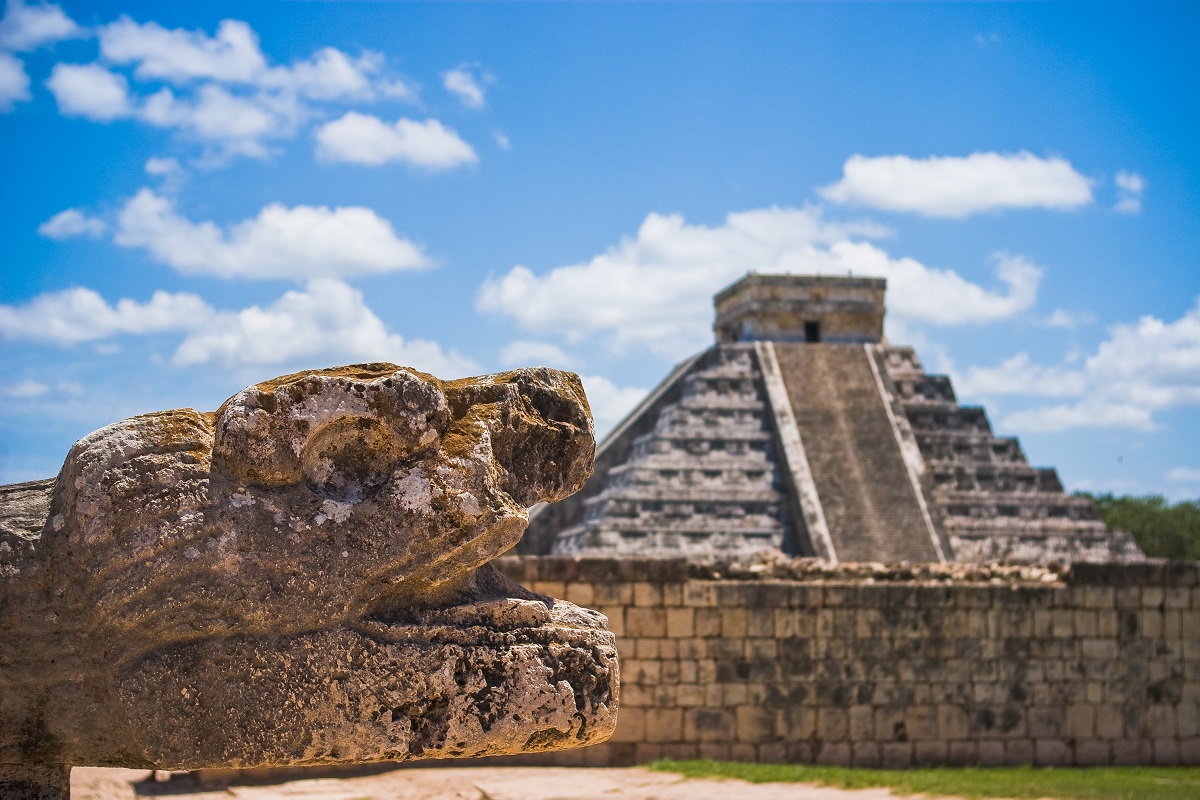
[301, 577]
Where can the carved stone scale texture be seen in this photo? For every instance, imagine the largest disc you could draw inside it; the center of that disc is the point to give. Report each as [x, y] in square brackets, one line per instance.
[804, 431]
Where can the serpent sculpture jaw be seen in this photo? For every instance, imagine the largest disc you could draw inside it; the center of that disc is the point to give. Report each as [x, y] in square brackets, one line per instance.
[300, 577]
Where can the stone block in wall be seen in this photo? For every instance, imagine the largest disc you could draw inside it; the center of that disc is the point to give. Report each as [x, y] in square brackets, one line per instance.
[1166, 752]
[708, 725]
[645, 752]
[754, 724]
[862, 723]
[1128, 596]
[809, 597]
[773, 752]
[681, 623]
[645, 622]
[921, 723]
[962, 753]
[1187, 719]
[1092, 753]
[833, 724]
[1053, 753]
[699, 594]
[743, 752]
[991, 753]
[646, 648]
[929, 753]
[1129, 752]
[1150, 623]
[551, 588]
[1018, 752]
[896, 755]
[760, 622]
[733, 622]
[953, 722]
[1080, 722]
[796, 723]
[610, 593]
[631, 726]
[616, 622]
[581, 594]
[647, 594]
[690, 694]
[708, 622]
[865, 754]
[664, 724]
[833, 753]
[1160, 721]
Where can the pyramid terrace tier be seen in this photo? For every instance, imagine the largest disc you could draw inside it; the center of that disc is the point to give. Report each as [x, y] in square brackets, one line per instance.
[968, 447]
[714, 475]
[1006, 477]
[1017, 541]
[1035, 505]
[692, 540]
[922, 388]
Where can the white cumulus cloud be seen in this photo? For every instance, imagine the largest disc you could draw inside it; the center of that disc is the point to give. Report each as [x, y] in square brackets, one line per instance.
[234, 56]
[654, 290]
[298, 242]
[234, 125]
[326, 322]
[528, 353]
[366, 139]
[1141, 368]
[25, 27]
[179, 55]
[1130, 186]
[14, 81]
[82, 315]
[90, 91]
[24, 389]
[71, 223]
[1184, 475]
[953, 186]
[222, 91]
[461, 82]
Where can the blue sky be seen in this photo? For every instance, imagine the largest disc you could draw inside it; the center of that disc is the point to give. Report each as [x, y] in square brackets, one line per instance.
[200, 196]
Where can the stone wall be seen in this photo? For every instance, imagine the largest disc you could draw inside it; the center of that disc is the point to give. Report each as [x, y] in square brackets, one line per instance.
[866, 665]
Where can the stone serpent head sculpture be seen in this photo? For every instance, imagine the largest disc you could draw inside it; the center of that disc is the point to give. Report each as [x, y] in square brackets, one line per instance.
[299, 578]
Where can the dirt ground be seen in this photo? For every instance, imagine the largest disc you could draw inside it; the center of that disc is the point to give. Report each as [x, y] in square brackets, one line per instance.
[465, 783]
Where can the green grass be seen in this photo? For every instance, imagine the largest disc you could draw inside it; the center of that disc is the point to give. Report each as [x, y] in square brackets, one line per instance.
[1017, 783]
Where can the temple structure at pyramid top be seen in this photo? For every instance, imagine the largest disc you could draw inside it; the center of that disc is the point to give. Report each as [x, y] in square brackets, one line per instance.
[802, 429]
[801, 308]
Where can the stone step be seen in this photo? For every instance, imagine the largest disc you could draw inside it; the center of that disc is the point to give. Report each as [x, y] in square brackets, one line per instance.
[861, 479]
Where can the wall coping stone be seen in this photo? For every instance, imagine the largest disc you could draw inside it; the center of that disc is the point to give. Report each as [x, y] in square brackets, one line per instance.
[777, 567]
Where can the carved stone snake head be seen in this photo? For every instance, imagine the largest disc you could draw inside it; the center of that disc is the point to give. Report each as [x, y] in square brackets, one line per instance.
[302, 577]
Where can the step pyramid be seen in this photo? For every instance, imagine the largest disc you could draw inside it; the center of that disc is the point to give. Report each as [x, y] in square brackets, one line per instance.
[802, 430]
